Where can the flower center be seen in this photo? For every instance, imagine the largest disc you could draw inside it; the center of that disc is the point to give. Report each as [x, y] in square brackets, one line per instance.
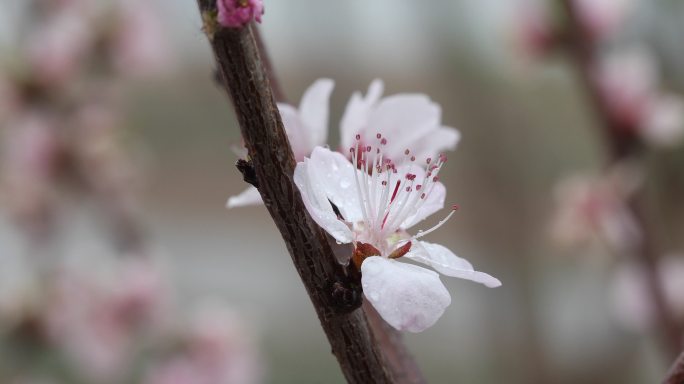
[389, 195]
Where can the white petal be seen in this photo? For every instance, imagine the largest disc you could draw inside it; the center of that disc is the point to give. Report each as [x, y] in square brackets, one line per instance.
[314, 110]
[316, 202]
[446, 262]
[408, 297]
[431, 145]
[433, 203]
[403, 119]
[249, 196]
[355, 118]
[297, 134]
[335, 175]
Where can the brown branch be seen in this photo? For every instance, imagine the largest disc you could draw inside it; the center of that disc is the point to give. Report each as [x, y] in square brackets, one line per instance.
[334, 291]
[623, 144]
[388, 339]
[268, 65]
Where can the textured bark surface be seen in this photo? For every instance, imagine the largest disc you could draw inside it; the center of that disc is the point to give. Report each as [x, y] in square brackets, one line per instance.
[623, 143]
[333, 289]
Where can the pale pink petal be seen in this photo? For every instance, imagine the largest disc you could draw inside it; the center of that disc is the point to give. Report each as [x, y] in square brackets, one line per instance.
[429, 146]
[355, 118]
[408, 297]
[446, 262]
[402, 119]
[249, 196]
[336, 177]
[314, 111]
[317, 203]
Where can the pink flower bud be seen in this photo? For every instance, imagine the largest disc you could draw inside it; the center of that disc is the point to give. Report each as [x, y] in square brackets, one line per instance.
[238, 13]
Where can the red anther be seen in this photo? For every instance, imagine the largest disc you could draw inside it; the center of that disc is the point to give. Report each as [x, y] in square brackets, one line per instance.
[422, 196]
[413, 158]
[352, 150]
[383, 141]
[429, 160]
[358, 137]
[418, 187]
[406, 152]
[408, 189]
[378, 136]
[377, 151]
[384, 182]
[435, 179]
[368, 148]
[455, 207]
[442, 158]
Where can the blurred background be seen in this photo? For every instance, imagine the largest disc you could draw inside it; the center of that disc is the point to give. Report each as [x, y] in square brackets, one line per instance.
[136, 133]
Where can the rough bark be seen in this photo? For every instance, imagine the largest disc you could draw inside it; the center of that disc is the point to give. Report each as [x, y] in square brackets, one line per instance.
[333, 289]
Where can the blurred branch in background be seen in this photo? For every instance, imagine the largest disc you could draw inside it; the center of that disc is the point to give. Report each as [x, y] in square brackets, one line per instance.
[635, 117]
[622, 137]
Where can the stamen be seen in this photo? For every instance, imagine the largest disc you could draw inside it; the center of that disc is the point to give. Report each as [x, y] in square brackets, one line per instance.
[422, 233]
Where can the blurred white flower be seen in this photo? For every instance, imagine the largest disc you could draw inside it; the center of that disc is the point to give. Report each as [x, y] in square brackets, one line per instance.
[590, 207]
[602, 18]
[57, 47]
[533, 30]
[217, 349]
[96, 319]
[632, 302]
[663, 123]
[30, 160]
[375, 204]
[628, 80]
[413, 118]
[140, 47]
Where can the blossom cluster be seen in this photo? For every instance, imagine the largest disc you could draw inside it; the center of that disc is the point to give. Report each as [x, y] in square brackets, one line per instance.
[119, 324]
[107, 318]
[627, 78]
[383, 180]
[61, 113]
